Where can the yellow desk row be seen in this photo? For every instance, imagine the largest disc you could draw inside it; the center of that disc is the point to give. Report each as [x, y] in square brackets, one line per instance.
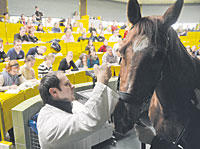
[9, 101]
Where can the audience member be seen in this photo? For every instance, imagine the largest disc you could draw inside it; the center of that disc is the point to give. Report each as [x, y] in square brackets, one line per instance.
[67, 62]
[46, 66]
[92, 59]
[67, 27]
[3, 56]
[109, 57]
[108, 30]
[92, 28]
[115, 37]
[68, 37]
[31, 36]
[37, 51]
[27, 69]
[21, 35]
[94, 37]
[16, 52]
[90, 45]
[33, 19]
[22, 19]
[38, 14]
[56, 28]
[6, 17]
[40, 28]
[81, 29]
[101, 37]
[83, 37]
[114, 26]
[82, 61]
[104, 46]
[49, 22]
[76, 16]
[29, 25]
[100, 29]
[10, 77]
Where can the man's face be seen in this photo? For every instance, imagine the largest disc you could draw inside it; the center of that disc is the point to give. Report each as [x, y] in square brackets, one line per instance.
[67, 89]
[18, 46]
[22, 32]
[14, 70]
[109, 50]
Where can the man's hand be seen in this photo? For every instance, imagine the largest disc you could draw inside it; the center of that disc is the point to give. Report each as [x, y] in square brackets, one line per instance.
[103, 73]
[145, 134]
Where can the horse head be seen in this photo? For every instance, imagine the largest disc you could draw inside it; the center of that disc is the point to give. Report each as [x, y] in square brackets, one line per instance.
[143, 54]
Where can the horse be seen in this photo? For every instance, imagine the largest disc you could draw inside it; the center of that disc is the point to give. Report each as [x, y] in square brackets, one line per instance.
[157, 68]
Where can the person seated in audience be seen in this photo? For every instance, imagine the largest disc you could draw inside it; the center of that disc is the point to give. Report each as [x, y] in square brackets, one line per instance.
[81, 29]
[108, 30]
[21, 35]
[29, 25]
[10, 78]
[101, 37]
[69, 23]
[27, 69]
[67, 62]
[104, 46]
[48, 22]
[62, 22]
[114, 26]
[16, 52]
[33, 20]
[115, 37]
[31, 36]
[94, 37]
[82, 61]
[37, 51]
[68, 37]
[22, 20]
[189, 50]
[40, 28]
[3, 56]
[92, 28]
[83, 37]
[67, 27]
[92, 58]
[100, 29]
[46, 66]
[56, 28]
[90, 45]
[109, 57]
[38, 14]
[75, 16]
[6, 17]
[124, 26]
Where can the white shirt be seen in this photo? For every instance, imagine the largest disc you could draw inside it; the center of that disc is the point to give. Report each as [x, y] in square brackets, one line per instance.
[58, 129]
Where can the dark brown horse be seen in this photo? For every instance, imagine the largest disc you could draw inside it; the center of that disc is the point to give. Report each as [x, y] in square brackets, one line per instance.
[156, 66]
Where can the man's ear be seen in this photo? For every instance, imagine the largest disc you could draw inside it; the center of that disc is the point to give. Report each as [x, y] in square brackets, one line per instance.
[53, 92]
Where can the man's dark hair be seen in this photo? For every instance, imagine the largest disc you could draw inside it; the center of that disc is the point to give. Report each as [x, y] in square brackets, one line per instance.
[48, 81]
[36, 7]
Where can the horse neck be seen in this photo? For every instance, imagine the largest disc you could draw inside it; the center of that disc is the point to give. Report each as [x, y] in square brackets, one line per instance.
[181, 64]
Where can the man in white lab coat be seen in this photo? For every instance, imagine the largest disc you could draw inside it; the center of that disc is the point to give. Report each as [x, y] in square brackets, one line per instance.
[58, 126]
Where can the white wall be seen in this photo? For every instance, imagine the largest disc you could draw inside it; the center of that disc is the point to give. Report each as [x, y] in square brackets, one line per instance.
[109, 10]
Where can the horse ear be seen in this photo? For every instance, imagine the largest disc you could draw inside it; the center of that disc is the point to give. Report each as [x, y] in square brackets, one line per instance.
[172, 14]
[134, 14]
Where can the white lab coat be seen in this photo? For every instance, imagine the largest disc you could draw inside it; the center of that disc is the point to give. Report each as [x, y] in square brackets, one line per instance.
[60, 130]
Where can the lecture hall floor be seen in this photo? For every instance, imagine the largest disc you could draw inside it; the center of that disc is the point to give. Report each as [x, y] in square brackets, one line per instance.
[129, 142]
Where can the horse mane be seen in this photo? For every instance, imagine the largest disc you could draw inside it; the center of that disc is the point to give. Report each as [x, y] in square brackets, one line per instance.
[148, 26]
